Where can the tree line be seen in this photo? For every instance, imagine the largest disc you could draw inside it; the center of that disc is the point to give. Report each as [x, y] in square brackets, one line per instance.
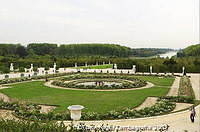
[44, 55]
[193, 50]
[192, 64]
[71, 50]
[76, 50]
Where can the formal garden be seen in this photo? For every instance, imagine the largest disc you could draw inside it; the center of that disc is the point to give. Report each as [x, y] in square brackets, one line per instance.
[105, 96]
[92, 91]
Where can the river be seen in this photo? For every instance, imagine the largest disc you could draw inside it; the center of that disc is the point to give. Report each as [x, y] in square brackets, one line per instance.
[168, 54]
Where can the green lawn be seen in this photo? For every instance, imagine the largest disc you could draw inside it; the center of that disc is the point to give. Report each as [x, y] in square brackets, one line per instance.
[158, 81]
[95, 67]
[97, 101]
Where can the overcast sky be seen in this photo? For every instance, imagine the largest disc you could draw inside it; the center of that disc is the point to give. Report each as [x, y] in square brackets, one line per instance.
[133, 23]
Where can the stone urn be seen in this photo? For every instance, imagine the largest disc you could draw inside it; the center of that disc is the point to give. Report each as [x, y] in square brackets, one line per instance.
[75, 111]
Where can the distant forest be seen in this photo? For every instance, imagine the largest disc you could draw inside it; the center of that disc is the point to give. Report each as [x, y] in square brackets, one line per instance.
[43, 55]
[193, 50]
[76, 50]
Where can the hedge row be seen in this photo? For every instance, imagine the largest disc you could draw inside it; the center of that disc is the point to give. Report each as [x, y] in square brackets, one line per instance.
[31, 112]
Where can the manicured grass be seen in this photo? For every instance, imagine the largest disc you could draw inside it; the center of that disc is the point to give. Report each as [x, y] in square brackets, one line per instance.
[96, 67]
[97, 101]
[165, 81]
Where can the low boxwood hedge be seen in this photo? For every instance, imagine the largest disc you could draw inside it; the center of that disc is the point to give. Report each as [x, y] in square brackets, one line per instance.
[127, 81]
[178, 99]
[32, 112]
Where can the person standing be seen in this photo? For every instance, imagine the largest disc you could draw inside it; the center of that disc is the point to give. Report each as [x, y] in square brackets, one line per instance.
[192, 114]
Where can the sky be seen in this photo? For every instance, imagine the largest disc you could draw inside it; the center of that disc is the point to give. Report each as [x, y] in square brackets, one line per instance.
[132, 23]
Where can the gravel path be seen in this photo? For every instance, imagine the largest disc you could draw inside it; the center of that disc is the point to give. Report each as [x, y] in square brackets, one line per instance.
[195, 81]
[181, 106]
[178, 122]
[46, 108]
[48, 84]
[7, 114]
[174, 88]
[4, 97]
[149, 101]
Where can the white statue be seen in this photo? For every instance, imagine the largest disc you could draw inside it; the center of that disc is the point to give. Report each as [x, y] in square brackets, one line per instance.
[134, 69]
[75, 64]
[97, 63]
[109, 62]
[41, 70]
[115, 66]
[104, 63]
[31, 69]
[86, 64]
[11, 67]
[54, 66]
[183, 70]
[151, 70]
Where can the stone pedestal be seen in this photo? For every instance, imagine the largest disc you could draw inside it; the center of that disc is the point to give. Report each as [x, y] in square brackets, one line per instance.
[75, 112]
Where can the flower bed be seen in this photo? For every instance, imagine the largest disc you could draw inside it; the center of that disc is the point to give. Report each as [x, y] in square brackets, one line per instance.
[30, 126]
[178, 99]
[32, 112]
[185, 87]
[72, 81]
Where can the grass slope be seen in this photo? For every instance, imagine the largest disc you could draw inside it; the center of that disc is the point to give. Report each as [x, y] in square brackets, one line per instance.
[97, 101]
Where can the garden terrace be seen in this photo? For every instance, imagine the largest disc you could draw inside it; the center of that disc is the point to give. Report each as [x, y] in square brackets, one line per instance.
[37, 92]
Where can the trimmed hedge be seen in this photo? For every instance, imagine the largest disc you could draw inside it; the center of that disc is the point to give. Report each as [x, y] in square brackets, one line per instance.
[135, 82]
[178, 99]
[30, 126]
[31, 112]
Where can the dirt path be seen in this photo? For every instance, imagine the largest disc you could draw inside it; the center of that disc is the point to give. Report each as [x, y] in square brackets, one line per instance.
[46, 108]
[181, 106]
[7, 114]
[195, 81]
[48, 84]
[174, 88]
[4, 97]
[149, 101]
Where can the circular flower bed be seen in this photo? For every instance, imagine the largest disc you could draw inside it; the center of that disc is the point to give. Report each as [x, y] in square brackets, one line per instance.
[99, 81]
